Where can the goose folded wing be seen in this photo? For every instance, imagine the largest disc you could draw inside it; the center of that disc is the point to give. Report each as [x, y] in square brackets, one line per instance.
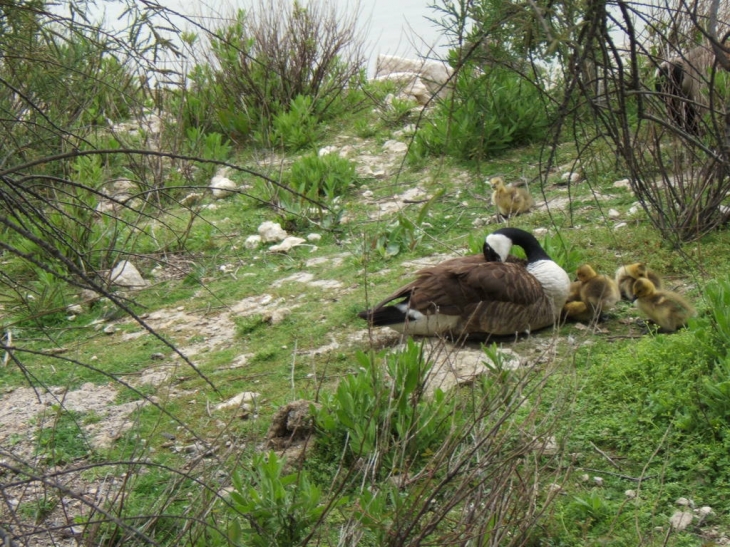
[455, 290]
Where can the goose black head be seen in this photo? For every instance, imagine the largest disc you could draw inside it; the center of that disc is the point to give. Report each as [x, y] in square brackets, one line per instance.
[499, 243]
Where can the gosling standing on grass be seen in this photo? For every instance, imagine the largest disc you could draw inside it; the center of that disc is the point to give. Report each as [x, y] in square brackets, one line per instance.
[627, 275]
[508, 199]
[591, 295]
[667, 309]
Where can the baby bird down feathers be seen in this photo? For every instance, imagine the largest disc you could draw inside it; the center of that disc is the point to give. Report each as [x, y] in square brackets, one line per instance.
[667, 309]
[510, 200]
[591, 295]
[627, 275]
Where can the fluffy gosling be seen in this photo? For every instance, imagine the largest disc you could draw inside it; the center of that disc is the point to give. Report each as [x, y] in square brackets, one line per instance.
[590, 296]
[599, 292]
[667, 309]
[510, 200]
[627, 275]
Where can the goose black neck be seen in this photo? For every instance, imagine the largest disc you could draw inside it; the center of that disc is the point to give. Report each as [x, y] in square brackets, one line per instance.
[527, 241]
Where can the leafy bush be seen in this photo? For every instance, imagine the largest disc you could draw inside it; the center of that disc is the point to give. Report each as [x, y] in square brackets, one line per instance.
[278, 509]
[272, 55]
[385, 416]
[312, 189]
[487, 114]
[296, 127]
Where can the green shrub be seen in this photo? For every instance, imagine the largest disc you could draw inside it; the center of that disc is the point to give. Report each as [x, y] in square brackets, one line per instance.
[267, 60]
[383, 415]
[278, 509]
[295, 128]
[312, 189]
[487, 114]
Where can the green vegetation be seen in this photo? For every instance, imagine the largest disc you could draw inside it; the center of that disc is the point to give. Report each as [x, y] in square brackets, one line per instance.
[591, 440]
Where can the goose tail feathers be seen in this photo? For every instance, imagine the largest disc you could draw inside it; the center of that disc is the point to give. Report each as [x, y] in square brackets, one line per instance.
[384, 315]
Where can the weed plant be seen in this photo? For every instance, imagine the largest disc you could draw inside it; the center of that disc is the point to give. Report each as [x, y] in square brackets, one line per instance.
[485, 116]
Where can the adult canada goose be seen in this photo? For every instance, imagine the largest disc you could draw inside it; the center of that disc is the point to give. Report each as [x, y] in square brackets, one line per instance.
[667, 309]
[508, 199]
[479, 295]
[627, 275]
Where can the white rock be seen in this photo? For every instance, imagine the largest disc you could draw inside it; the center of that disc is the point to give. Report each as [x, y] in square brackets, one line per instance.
[326, 150]
[247, 397]
[634, 209]
[276, 316]
[252, 242]
[623, 183]
[539, 232]
[75, 308]
[620, 225]
[364, 171]
[271, 232]
[598, 481]
[347, 151]
[571, 176]
[585, 477]
[613, 214]
[221, 185]
[631, 494]
[125, 274]
[191, 199]
[680, 520]
[314, 237]
[704, 511]
[287, 245]
[433, 74]
[367, 194]
[395, 147]
[684, 502]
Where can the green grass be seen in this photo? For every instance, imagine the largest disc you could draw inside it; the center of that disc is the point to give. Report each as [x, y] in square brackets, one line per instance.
[633, 397]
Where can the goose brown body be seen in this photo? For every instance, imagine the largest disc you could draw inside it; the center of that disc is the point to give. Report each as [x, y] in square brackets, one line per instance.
[668, 309]
[508, 199]
[473, 295]
[627, 275]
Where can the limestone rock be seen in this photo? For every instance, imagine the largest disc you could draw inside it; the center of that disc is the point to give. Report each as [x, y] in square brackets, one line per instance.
[125, 274]
[246, 397]
[680, 520]
[271, 232]
[221, 185]
[191, 199]
[420, 79]
[287, 245]
[395, 147]
[252, 242]
[276, 316]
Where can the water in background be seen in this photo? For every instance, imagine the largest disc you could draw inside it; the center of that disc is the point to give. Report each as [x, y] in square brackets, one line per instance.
[394, 27]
